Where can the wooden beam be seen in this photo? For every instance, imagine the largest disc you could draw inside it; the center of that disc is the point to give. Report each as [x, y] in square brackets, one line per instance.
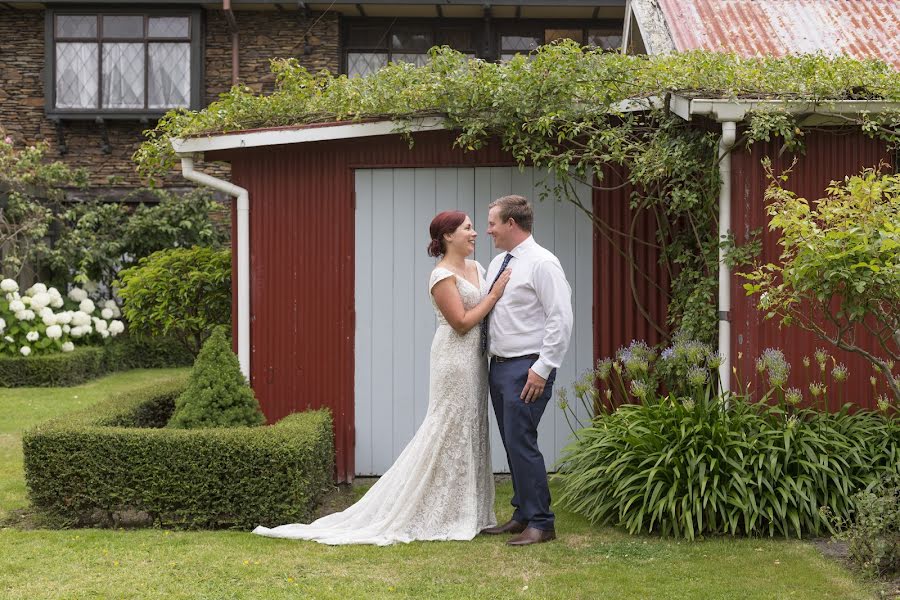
[359, 8]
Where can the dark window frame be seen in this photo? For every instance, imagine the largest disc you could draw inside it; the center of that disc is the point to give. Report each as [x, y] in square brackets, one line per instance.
[138, 114]
[485, 41]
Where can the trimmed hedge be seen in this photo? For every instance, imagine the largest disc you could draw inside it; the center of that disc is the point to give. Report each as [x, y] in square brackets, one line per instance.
[115, 463]
[89, 362]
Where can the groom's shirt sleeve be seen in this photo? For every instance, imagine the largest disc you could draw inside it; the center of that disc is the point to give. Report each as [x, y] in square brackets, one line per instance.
[555, 297]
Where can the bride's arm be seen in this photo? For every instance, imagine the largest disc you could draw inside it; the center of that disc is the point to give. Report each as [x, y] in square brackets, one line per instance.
[450, 303]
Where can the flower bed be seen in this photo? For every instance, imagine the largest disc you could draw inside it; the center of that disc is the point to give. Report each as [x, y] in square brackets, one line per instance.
[115, 461]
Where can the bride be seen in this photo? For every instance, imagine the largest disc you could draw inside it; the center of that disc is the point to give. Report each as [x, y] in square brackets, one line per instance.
[441, 487]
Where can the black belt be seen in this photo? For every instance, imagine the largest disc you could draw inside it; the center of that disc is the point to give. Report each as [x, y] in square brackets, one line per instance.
[501, 359]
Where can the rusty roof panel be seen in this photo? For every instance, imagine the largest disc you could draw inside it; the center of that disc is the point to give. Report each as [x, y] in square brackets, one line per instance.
[858, 28]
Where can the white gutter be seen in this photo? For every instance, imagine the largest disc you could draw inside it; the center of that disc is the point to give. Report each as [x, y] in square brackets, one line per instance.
[243, 253]
[729, 134]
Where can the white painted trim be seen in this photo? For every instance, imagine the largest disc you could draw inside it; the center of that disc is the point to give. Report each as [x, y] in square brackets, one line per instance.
[723, 110]
[275, 137]
[729, 134]
[243, 253]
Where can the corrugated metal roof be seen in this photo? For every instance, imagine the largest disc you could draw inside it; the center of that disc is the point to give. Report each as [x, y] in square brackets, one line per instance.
[857, 28]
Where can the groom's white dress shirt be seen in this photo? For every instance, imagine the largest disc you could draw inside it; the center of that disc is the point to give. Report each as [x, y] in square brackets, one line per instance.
[534, 315]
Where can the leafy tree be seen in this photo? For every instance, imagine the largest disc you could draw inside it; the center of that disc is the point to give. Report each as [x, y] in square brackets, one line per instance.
[217, 394]
[183, 292]
[840, 265]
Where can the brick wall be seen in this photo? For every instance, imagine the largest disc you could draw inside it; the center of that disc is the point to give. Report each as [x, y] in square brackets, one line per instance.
[263, 35]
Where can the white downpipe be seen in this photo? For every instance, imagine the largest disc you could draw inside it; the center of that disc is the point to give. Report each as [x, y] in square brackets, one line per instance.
[729, 134]
[243, 253]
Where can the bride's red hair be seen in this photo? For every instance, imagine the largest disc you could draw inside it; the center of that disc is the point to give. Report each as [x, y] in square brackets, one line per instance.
[444, 223]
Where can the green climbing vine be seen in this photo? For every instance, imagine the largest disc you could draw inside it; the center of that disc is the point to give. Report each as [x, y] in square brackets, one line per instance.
[569, 110]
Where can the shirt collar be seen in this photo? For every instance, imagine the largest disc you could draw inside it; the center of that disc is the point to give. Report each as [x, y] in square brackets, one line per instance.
[523, 247]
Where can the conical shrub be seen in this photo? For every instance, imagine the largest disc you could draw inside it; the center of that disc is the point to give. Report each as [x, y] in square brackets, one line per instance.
[217, 394]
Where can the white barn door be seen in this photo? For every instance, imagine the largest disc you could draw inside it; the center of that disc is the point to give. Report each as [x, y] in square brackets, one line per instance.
[394, 317]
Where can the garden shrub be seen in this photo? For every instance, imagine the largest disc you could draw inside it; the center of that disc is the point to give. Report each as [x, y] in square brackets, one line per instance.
[89, 362]
[874, 532]
[694, 466]
[182, 292]
[217, 394]
[118, 458]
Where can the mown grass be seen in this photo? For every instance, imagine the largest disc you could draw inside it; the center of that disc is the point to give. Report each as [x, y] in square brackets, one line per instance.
[586, 561]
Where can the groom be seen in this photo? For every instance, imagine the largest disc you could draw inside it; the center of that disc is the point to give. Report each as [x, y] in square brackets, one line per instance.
[527, 335]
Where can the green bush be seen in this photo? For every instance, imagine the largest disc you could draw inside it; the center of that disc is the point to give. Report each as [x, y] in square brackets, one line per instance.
[874, 532]
[694, 467]
[182, 292]
[117, 459]
[217, 394]
[89, 362]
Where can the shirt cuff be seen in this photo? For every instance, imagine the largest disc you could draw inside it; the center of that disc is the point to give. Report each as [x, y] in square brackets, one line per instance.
[541, 368]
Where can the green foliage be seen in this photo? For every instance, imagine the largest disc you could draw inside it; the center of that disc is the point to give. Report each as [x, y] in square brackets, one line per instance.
[218, 394]
[181, 292]
[30, 190]
[839, 265]
[562, 110]
[89, 362]
[697, 468]
[117, 457]
[97, 239]
[874, 532]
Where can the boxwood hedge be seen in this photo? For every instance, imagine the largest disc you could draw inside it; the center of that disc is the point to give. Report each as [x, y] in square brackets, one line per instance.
[115, 464]
[89, 362]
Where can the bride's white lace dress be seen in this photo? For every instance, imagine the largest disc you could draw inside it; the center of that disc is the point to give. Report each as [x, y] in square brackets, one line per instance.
[441, 487]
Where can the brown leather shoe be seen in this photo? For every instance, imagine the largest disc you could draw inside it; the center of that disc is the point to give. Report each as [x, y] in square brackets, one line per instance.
[532, 536]
[511, 526]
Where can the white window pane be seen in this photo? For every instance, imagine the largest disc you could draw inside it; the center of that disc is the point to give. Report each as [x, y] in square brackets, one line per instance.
[123, 26]
[416, 59]
[76, 75]
[170, 75]
[76, 26]
[123, 76]
[169, 27]
[365, 63]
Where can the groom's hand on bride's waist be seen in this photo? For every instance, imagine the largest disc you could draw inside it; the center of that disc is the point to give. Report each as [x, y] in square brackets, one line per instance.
[534, 387]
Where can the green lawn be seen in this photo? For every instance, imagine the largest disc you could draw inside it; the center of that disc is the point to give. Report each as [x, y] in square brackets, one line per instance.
[586, 561]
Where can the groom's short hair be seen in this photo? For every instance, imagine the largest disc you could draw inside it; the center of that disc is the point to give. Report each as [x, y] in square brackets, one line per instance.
[516, 208]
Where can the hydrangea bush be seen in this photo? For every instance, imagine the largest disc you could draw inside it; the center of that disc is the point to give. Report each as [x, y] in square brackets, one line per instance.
[40, 320]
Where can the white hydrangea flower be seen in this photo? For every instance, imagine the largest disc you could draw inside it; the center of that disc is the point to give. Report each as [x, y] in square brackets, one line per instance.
[2, 325]
[66, 329]
[57, 302]
[54, 292]
[77, 332]
[47, 316]
[106, 313]
[26, 300]
[116, 327]
[27, 315]
[38, 288]
[54, 332]
[64, 318]
[100, 324]
[68, 346]
[25, 350]
[41, 299]
[80, 318]
[87, 305]
[77, 294]
[110, 304]
[20, 315]
[16, 306]
[9, 285]
[104, 333]
[32, 336]
[9, 339]
[13, 296]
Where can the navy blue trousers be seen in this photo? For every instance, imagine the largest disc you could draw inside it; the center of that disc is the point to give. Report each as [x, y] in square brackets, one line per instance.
[518, 423]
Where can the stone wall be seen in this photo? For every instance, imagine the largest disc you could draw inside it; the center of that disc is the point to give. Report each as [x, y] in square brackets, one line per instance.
[262, 35]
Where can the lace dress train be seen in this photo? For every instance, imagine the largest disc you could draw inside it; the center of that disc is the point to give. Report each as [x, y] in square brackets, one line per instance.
[441, 487]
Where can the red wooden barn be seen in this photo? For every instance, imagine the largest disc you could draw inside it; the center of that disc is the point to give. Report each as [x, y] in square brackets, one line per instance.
[330, 269]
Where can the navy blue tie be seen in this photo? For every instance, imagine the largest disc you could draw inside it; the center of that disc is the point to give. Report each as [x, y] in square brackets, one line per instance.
[484, 323]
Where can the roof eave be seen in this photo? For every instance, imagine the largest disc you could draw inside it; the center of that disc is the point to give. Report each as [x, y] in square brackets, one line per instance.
[722, 110]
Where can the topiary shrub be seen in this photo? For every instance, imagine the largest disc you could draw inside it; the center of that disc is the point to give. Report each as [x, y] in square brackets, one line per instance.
[217, 394]
[115, 463]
